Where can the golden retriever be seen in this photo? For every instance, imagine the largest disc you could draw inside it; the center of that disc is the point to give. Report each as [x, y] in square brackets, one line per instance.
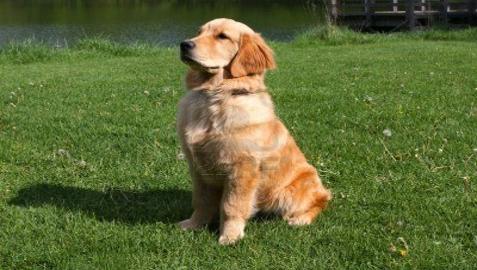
[241, 157]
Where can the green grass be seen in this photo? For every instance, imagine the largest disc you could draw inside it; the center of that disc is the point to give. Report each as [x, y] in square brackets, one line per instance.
[333, 35]
[90, 179]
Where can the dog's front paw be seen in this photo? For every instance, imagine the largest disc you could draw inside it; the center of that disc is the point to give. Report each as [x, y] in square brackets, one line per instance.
[232, 232]
[226, 239]
[189, 224]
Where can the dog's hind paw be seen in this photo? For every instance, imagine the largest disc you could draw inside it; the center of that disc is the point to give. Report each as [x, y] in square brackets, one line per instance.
[299, 221]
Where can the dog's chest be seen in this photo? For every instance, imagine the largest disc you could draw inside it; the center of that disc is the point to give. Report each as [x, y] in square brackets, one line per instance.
[209, 124]
[200, 118]
[203, 130]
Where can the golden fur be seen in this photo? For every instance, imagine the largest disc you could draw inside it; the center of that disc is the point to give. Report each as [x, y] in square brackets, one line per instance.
[241, 157]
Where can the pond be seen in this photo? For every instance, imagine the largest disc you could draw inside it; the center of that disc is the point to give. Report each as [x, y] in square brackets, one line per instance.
[166, 22]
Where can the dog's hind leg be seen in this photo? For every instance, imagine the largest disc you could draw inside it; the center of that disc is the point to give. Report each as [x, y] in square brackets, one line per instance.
[306, 198]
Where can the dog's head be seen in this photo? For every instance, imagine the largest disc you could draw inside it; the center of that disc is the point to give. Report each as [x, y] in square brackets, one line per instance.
[225, 43]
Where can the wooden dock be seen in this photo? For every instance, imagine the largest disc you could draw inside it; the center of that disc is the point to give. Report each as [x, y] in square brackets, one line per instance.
[402, 14]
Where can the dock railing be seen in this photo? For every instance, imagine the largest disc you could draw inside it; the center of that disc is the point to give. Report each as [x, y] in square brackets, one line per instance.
[413, 12]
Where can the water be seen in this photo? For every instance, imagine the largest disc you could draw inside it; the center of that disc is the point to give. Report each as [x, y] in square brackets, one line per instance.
[61, 22]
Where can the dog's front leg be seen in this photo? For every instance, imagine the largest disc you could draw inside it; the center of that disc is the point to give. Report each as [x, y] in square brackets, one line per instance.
[205, 201]
[238, 201]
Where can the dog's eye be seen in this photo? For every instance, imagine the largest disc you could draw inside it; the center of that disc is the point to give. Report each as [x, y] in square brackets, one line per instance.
[222, 36]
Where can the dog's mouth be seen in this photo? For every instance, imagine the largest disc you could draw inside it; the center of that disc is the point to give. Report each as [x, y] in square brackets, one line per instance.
[189, 60]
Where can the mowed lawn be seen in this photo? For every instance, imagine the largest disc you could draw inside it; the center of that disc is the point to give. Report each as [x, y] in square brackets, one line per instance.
[91, 176]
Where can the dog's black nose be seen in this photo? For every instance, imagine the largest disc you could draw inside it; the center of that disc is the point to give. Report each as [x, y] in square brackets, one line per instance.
[187, 45]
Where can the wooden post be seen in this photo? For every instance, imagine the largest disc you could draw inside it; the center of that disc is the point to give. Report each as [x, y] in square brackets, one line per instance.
[410, 14]
[395, 5]
[334, 11]
[369, 12]
[423, 5]
[444, 8]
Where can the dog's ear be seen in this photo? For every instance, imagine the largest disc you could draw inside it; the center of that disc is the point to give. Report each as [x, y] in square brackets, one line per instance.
[253, 57]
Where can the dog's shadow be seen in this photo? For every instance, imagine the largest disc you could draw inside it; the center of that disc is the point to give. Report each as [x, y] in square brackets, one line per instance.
[114, 205]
